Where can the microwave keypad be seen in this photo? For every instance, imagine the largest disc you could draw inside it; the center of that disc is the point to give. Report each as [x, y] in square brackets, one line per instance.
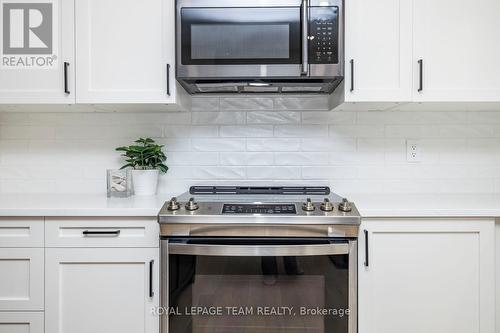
[323, 35]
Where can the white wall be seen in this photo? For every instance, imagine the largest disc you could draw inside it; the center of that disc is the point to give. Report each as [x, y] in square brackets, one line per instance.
[233, 140]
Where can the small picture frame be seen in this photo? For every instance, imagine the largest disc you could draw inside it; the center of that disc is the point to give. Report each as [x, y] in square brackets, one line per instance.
[119, 183]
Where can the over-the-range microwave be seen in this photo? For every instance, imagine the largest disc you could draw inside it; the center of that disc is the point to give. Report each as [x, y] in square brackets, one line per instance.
[259, 46]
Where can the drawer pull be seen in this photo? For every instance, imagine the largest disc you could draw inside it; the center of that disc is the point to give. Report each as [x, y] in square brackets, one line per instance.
[101, 233]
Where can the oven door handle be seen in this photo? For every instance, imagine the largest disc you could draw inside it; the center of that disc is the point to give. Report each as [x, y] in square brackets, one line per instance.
[258, 250]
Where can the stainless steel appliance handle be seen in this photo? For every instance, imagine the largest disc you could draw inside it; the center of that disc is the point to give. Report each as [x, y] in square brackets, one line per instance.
[305, 37]
[258, 250]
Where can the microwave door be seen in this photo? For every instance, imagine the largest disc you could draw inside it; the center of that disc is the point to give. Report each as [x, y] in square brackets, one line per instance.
[239, 42]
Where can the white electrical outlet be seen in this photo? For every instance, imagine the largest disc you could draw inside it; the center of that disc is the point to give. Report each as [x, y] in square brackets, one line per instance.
[412, 151]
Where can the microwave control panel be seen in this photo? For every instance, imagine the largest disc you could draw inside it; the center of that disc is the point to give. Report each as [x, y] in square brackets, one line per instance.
[323, 35]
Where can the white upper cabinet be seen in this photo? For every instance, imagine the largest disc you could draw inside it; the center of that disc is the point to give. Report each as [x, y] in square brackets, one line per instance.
[378, 50]
[37, 52]
[125, 51]
[457, 41]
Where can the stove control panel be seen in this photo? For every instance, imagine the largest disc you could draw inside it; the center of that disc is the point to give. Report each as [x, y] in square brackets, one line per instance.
[267, 209]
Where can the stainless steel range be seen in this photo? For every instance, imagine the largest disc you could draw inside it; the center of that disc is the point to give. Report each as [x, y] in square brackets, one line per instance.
[259, 259]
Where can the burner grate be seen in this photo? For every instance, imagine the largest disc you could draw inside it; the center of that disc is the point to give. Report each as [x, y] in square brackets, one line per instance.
[280, 190]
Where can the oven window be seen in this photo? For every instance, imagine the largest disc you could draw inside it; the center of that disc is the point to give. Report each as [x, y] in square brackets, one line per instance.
[286, 294]
[240, 36]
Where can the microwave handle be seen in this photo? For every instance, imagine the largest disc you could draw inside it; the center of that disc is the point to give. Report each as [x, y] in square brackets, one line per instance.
[305, 37]
[258, 250]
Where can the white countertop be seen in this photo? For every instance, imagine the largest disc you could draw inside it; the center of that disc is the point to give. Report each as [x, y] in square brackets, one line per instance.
[427, 205]
[370, 205]
[79, 205]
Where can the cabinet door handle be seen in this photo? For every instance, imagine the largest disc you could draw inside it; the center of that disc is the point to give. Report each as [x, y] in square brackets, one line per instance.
[151, 292]
[366, 248]
[107, 232]
[352, 75]
[168, 79]
[66, 87]
[421, 75]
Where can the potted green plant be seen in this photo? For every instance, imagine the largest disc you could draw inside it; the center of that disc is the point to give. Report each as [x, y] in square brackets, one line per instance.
[146, 158]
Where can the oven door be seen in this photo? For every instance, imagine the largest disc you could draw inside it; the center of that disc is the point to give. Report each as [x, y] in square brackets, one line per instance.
[226, 285]
[247, 39]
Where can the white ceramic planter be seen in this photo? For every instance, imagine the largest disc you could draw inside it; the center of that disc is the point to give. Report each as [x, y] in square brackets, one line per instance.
[145, 181]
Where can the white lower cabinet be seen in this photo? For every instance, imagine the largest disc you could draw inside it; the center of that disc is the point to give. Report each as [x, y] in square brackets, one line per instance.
[98, 290]
[21, 322]
[429, 276]
[21, 279]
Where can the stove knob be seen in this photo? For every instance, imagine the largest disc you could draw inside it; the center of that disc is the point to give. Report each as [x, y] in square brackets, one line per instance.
[326, 205]
[308, 206]
[191, 205]
[173, 204]
[345, 205]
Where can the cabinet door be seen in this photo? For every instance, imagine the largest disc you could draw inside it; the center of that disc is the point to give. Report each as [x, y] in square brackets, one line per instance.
[101, 290]
[21, 279]
[21, 322]
[37, 50]
[125, 51]
[457, 40]
[379, 45]
[427, 276]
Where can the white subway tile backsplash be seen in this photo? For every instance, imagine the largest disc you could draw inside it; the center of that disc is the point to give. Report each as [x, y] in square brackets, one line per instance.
[186, 131]
[246, 158]
[26, 132]
[261, 140]
[356, 131]
[193, 158]
[116, 131]
[205, 104]
[301, 131]
[411, 117]
[273, 173]
[218, 118]
[327, 144]
[273, 117]
[250, 131]
[273, 144]
[219, 172]
[328, 117]
[243, 103]
[219, 144]
[302, 103]
[323, 172]
[301, 158]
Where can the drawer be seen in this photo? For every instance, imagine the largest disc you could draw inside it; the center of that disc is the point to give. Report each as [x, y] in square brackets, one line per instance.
[21, 232]
[21, 322]
[21, 279]
[101, 232]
